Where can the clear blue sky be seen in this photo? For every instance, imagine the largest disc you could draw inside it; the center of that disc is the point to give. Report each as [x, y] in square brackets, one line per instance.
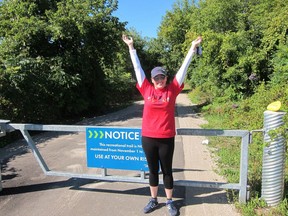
[143, 15]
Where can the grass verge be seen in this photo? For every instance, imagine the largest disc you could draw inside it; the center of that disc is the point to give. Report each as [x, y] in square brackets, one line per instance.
[247, 115]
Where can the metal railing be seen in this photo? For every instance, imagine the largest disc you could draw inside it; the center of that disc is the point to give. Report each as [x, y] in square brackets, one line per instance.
[6, 126]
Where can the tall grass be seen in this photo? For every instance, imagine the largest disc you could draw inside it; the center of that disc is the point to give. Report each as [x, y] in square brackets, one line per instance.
[246, 114]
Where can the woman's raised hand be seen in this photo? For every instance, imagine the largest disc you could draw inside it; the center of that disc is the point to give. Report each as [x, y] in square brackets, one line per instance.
[128, 41]
[197, 42]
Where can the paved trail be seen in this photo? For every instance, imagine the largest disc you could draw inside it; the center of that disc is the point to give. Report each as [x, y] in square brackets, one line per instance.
[27, 191]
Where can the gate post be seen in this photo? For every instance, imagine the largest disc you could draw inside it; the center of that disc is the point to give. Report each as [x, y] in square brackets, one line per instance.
[273, 162]
[3, 124]
[2, 133]
[0, 177]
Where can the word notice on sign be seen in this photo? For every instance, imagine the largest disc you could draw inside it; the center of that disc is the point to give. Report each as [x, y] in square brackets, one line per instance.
[115, 148]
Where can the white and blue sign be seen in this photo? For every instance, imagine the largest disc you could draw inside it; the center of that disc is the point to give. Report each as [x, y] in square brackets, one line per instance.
[115, 148]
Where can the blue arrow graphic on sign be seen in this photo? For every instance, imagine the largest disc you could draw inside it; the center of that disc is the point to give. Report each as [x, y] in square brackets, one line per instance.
[96, 134]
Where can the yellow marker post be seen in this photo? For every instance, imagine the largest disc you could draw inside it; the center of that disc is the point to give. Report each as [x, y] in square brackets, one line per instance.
[275, 106]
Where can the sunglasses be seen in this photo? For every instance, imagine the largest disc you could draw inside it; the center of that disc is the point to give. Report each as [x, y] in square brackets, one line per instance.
[159, 77]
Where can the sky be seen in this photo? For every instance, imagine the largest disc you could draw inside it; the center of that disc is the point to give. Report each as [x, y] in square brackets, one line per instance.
[143, 15]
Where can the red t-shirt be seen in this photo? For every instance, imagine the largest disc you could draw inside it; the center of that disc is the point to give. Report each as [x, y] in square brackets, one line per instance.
[159, 109]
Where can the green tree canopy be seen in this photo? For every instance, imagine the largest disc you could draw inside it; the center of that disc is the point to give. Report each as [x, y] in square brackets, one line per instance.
[55, 56]
[241, 39]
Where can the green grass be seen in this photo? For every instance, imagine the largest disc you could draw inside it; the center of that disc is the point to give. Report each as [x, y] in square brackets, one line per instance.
[245, 115]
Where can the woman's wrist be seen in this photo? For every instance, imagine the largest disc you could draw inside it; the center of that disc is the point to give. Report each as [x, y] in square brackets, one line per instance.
[194, 48]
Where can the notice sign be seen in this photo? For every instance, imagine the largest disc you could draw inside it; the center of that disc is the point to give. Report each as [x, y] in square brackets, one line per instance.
[115, 148]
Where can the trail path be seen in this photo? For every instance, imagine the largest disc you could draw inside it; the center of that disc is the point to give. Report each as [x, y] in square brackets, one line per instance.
[200, 166]
[27, 191]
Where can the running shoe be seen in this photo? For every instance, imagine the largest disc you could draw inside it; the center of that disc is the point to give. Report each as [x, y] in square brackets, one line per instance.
[152, 204]
[171, 208]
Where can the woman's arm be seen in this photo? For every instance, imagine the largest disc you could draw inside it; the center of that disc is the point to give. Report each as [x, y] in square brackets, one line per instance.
[180, 76]
[140, 75]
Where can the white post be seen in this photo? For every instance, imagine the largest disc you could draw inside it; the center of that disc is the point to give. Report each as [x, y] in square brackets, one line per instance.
[273, 162]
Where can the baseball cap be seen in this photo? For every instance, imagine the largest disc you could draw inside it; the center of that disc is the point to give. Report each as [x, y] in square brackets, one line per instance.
[158, 70]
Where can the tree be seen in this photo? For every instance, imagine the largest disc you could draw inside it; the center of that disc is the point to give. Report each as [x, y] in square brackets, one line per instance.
[172, 34]
[53, 57]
